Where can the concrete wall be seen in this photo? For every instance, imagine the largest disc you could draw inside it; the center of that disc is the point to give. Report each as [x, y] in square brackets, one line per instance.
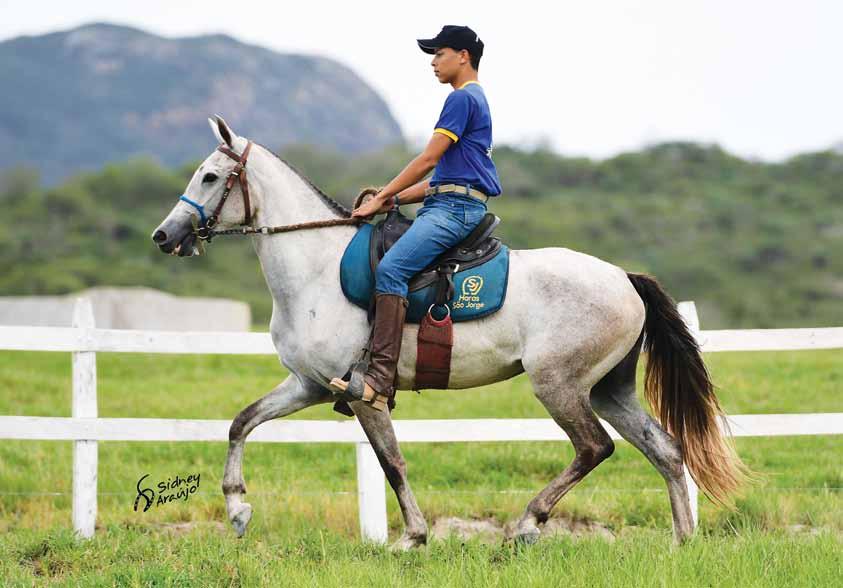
[130, 308]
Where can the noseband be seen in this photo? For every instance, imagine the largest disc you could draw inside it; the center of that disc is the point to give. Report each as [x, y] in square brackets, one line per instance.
[205, 231]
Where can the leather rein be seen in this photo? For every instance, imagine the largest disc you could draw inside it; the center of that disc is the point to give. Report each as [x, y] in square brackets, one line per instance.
[205, 231]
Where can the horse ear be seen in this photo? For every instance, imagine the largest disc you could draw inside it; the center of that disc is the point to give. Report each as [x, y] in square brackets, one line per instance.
[213, 124]
[222, 131]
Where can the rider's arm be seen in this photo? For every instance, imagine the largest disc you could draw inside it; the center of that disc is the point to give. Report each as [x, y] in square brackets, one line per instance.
[418, 168]
[414, 193]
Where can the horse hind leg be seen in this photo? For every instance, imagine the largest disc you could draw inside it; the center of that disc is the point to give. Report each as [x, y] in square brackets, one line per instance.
[286, 398]
[571, 410]
[614, 399]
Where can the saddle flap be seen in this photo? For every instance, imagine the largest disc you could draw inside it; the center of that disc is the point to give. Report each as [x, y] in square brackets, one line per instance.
[389, 230]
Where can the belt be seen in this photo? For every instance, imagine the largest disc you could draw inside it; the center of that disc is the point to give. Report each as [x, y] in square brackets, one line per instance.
[458, 189]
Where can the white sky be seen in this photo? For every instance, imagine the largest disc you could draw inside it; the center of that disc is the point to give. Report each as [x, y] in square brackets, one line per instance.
[761, 78]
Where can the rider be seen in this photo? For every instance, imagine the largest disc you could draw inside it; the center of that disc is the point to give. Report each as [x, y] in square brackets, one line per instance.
[454, 198]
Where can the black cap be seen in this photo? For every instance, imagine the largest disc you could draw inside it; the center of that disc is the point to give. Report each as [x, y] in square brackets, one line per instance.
[456, 38]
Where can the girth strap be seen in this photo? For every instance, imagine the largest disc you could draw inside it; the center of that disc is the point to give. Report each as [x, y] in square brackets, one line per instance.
[445, 283]
[433, 355]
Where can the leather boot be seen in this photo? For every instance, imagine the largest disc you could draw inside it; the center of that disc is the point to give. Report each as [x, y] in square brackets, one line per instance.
[377, 384]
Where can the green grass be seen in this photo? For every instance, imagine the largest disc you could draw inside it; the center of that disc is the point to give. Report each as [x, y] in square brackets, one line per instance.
[310, 555]
[787, 531]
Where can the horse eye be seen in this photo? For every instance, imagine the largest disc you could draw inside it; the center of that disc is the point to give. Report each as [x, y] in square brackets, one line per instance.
[208, 178]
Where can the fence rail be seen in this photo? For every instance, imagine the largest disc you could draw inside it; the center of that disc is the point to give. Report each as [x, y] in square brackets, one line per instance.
[407, 431]
[85, 429]
[72, 339]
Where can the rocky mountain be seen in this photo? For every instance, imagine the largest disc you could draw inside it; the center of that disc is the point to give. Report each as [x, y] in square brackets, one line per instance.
[76, 99]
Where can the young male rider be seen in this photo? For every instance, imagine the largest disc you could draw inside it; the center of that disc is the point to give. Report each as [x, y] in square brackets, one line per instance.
[464, 177]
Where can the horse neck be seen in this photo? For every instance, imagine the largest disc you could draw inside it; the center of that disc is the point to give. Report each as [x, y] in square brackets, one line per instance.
[296, 262]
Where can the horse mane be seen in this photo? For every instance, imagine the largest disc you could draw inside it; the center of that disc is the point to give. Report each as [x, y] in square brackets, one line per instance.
[332, 204]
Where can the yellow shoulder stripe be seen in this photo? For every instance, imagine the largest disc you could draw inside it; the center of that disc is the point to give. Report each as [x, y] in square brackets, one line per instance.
[447, 133]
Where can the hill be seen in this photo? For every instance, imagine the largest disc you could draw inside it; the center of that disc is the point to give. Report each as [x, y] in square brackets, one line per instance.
[76, 99]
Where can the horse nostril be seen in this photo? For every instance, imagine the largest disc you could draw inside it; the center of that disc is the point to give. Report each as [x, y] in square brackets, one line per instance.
[159, 237]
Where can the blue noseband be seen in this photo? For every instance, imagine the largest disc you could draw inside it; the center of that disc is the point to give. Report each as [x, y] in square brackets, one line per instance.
[195, 205]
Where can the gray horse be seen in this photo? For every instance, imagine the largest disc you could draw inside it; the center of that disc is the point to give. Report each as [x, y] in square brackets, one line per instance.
[574, 323]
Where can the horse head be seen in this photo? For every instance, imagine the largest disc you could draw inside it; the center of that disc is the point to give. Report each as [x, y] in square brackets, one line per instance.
[220, 175]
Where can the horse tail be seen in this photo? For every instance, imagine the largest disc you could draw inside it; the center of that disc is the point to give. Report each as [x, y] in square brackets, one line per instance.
[678, 388]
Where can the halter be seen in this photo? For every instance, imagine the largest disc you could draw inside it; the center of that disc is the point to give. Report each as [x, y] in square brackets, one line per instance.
[206, 231]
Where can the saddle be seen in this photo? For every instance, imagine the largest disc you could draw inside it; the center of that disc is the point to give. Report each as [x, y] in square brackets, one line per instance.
[442, 293]
[476, 249]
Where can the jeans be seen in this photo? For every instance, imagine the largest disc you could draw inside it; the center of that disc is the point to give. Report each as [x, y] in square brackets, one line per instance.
[443, 221]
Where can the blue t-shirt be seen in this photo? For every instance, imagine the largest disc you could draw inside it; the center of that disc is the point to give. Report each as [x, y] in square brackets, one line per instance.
[468, 161]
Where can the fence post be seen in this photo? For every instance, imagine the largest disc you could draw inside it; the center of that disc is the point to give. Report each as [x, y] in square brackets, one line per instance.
[84, 406]
[688, 310]
[371, 495]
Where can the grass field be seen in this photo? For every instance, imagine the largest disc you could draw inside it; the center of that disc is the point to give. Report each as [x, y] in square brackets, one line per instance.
[788, 529]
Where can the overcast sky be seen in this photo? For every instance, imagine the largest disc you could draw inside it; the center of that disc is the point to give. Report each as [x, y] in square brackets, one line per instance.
[761, 78]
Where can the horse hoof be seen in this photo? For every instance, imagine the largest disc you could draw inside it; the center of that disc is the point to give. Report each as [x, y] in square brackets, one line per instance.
[240, 520]
[407, 542]
[527, 536]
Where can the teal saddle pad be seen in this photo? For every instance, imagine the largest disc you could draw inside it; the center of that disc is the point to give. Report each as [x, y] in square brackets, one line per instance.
[478, 291]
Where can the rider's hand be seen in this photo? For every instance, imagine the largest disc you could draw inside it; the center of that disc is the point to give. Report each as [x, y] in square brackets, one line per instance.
[387, 205]
[373, 206]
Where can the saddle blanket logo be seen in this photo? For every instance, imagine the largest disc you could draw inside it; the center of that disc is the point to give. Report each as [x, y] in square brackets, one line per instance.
[469, 297]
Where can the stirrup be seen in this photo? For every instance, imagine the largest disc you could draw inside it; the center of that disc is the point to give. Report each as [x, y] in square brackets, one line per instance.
[355, 388]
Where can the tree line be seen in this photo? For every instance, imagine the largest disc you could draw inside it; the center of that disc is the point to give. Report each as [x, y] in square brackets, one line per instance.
[753, 243]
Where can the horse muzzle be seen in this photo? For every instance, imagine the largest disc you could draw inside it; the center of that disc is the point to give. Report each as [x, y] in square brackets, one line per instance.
[176, 241]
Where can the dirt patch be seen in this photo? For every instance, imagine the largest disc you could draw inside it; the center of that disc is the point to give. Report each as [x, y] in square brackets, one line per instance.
[803, 530]
[189, 527]
[491, 531]
[571, 527]
[488, 530]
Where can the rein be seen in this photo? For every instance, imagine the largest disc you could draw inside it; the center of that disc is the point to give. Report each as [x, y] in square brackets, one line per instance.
[205, 231]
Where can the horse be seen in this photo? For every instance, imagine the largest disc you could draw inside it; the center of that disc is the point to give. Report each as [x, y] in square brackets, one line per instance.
[574, 323]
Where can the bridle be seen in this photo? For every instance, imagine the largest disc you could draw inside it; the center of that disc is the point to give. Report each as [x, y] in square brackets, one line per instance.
[205, 231]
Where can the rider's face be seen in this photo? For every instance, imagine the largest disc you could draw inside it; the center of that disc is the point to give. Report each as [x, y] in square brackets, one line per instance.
[447, 63]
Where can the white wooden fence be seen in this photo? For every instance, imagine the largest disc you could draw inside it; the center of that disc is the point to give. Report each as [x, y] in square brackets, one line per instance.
[85, 429]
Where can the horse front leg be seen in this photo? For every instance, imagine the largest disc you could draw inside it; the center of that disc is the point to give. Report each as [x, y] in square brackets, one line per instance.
[286, 398]
[378, 428]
